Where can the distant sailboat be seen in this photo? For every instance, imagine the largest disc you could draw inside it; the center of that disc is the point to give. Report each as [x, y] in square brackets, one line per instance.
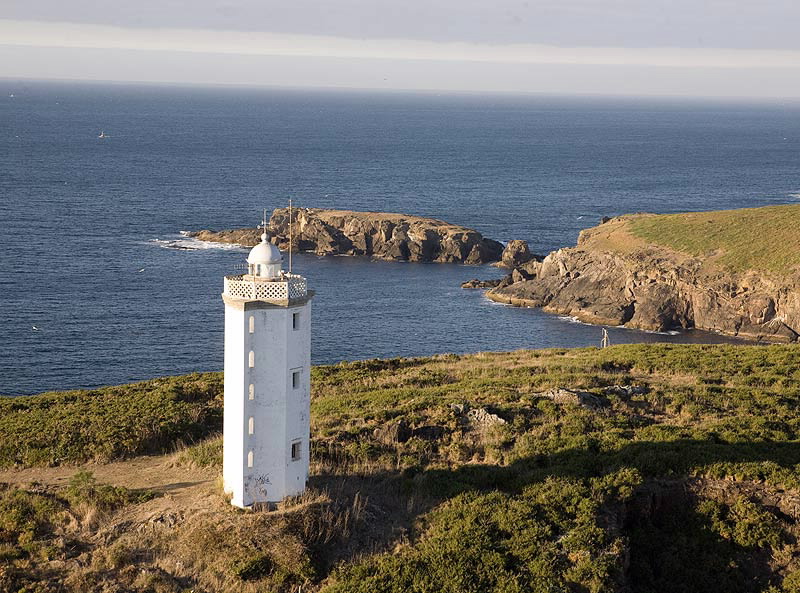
[102, 134]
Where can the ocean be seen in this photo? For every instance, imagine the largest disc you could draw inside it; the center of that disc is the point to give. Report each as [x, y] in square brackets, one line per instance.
[98, 285]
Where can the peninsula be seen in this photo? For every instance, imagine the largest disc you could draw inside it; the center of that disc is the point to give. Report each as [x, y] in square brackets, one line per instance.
[734, 272]
[381, 235]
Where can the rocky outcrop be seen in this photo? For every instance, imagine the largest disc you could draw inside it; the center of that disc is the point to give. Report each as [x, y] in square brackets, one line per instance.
[515, 254]
[376, 234]
[476, 283]
[483, 418]
[613, 278]
[574, 397]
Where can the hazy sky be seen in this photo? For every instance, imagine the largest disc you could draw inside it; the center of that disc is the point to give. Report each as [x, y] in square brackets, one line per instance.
[680, 47]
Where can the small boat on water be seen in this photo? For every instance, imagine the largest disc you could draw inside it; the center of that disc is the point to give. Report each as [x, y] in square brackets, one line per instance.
[102, 134]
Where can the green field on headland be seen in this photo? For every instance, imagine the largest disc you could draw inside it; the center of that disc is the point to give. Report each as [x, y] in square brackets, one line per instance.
[643, 468]
[764, 239]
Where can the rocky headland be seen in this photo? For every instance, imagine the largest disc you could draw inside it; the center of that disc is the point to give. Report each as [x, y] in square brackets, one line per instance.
[381, 235]
[732, 272]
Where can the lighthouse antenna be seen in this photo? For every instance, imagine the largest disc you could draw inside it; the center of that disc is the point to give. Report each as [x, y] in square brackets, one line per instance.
[290, 235]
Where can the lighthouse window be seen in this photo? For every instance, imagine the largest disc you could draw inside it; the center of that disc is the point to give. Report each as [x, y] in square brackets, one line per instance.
[251, 359]
[251, 425]
[295, 320]
[296, 450]
[251, 392]
[252, 324]
[295, 379]
[250, 459]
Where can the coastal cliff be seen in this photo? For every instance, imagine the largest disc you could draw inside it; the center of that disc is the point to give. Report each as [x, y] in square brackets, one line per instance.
[733, 272]
[386, 236]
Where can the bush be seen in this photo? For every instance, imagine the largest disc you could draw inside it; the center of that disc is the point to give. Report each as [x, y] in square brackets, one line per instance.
[109, 423]
[83, 488]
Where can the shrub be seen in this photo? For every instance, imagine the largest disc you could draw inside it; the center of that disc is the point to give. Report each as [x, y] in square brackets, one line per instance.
[83, 488]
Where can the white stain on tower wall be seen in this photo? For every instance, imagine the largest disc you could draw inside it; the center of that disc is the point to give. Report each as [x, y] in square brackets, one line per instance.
[267, 380]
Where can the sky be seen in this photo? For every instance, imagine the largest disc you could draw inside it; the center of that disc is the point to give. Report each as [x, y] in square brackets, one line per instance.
[719, 48]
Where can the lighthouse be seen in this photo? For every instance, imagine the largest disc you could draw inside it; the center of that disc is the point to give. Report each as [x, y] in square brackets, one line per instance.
[267, 380]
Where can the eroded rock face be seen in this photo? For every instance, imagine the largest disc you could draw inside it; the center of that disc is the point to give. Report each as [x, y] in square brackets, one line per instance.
[652, 288]
[379, 235]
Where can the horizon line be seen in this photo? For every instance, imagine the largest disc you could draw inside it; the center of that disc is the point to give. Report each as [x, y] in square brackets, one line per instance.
[426, 91]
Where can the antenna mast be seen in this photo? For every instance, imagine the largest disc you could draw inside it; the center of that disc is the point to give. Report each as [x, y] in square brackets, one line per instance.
[290, 235]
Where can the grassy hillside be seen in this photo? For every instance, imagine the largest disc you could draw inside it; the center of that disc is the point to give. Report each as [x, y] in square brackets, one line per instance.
[109, 423]
[765, 239]
[668, 469]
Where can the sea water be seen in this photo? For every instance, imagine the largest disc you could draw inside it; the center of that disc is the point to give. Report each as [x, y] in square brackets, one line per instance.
[99, 286]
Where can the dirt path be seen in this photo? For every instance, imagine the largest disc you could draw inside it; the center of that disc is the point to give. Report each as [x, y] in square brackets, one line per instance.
[182, 489]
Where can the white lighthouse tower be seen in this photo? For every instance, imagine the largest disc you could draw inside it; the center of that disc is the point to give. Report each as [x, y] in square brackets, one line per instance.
[267, 380]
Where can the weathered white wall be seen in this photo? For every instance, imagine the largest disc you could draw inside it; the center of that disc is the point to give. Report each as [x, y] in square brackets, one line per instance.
[235, 396]
[299, 399]
[279, 411]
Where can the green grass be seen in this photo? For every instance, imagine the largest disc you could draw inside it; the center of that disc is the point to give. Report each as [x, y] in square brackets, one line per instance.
[109, 423]
[206, 453]
[710, 413]
[762, 239]
[83, 488]
[503, 542]
[38, 527]
[671, 488]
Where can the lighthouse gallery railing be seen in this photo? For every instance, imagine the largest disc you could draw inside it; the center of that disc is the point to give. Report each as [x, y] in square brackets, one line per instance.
[284, 288]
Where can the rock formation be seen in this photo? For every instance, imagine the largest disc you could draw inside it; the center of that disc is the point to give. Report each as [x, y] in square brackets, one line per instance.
[615, 278]
[515, 254]
[380, 235]
[584, 399]
[477, 283]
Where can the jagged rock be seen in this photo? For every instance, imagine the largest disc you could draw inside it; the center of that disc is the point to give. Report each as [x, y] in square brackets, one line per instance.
[515, 254]
[475, 283]
[392, 433]
[506, 281]
[645, 286]
[484, 418]
[578, 398]
[376, 234]
[519, 275]
[480, 417]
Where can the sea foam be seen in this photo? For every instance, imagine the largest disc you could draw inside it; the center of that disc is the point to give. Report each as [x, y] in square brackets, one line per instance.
[191, 244]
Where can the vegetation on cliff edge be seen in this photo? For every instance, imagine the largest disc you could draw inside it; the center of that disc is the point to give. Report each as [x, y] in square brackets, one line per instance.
[764, 239]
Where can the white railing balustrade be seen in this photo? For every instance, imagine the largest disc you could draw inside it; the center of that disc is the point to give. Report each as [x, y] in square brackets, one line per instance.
[286, 287]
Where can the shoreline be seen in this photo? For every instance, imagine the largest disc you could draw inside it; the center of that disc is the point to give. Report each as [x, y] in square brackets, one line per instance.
[635, 270]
